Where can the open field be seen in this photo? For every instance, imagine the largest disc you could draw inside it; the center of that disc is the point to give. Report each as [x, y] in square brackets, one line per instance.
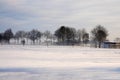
[58, 63]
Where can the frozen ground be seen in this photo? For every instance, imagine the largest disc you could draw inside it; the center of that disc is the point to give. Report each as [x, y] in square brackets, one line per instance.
[58, 63]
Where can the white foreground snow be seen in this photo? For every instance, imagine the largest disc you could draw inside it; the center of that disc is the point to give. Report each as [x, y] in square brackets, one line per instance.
[58, 63]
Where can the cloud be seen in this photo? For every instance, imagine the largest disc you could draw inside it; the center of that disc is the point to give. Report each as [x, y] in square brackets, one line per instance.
[47, 14]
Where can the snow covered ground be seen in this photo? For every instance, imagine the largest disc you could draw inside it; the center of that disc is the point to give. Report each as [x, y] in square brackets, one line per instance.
[19, 62]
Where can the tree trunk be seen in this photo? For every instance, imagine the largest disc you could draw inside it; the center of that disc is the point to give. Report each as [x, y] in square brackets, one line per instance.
[33, 42]
[99, 44]
[8, 41]
[39, 41]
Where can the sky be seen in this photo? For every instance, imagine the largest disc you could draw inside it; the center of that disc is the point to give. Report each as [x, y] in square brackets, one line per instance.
[51, 14]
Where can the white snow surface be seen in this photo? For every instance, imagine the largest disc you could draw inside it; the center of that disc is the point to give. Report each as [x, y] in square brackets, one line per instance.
[57, 57]
[34, 62]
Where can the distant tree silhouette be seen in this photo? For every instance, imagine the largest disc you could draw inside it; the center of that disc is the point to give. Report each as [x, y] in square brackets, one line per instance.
[20, 35]
[60, 34]
[8, 34]
[85, 38]
[99, 34]
[23, 42]
[39, 34]
[48, 35]
[34, 35]
[65, 34]
[1, 37]
[70, 35]
[79, 36]
[27, 37]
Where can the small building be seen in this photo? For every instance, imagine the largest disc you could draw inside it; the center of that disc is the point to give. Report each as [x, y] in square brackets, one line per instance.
[111, 45]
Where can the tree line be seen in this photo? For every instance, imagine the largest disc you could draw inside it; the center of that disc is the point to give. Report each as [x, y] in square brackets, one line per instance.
[64, 36]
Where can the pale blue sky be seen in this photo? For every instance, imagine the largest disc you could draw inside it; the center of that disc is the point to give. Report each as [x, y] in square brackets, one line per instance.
[51, 14]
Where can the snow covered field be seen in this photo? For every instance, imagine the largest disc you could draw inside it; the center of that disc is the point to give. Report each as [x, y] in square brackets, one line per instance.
[58, 63]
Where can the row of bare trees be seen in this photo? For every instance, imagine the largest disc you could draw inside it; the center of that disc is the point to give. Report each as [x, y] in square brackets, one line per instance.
[70, 35]
[34, 36]
[64, 36]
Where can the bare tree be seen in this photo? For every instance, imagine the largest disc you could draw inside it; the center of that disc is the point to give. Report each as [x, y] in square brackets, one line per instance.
[85, 38]
[47, 34]
[99, 34]
[8, 34]
[83, 32]
[1, 37]
[79, 35]
[20, 35]
[65, 34]
[61, 34]
[39, 34]
[34, 35]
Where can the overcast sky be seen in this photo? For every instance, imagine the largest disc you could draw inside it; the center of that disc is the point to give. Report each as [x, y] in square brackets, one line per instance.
[51, 14]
